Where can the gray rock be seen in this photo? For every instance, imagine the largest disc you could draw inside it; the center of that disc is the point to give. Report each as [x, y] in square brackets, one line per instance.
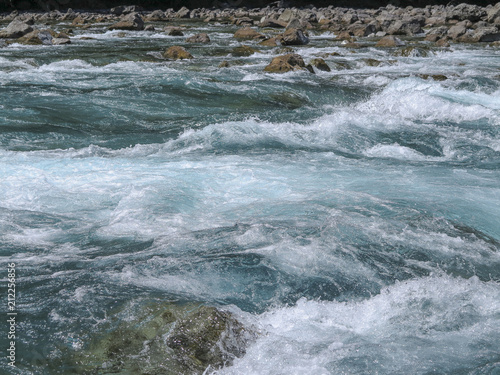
[493, 13]
[132, 21]
[458, 30]
[16, 29]
[469, 12]
[198, 38]
[183, 13]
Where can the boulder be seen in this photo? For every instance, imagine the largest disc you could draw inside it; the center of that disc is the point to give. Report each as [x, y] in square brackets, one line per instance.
[37, 37]
[173, 31]
[320, 64]
[294, 37]
[402, 27]
[183, 13]
[243, 51]
[271, 22]
[16, 29]
[248, 33]
[164, 338]
[155, 16]
[389, 41]
[493, 13]
[483, 34]
[271, 42]
[469, 12]
[177, 53]
[458, 30]
[287, 63]
[132, 21]
[198, 38]
[60, 41]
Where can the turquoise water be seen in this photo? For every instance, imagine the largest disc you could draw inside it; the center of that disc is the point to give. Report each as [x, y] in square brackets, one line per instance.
[351, 216]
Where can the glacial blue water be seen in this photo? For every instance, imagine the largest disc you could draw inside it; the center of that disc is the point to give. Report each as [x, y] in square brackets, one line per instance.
[351, 217]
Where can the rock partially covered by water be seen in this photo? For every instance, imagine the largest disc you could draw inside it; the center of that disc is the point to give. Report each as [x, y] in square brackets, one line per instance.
[38, 37]
[389, 41]
[132, 21]
[243, 51]
[177, 53]
[294, 37]
[248, 33]
[320, 64]
[199, 38]
[287, 63]
[16, 29]
[165, 338]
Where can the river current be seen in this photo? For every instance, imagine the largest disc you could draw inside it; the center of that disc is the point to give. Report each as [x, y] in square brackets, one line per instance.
[351, 217]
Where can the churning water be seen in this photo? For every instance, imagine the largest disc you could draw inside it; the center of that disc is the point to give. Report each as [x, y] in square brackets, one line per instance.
[351, 217]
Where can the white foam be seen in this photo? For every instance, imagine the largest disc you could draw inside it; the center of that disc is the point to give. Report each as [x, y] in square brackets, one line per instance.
[419, 324]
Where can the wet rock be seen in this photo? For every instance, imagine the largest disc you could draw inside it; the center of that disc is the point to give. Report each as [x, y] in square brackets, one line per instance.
[435, 77]
[243, 50]
[3, 43]
[224, 64]
[413, 51]
[16, 29]
[372, 62]
[320, 64]
[61, 41]
[345, 35]
[133, 21]
[389, 41]
[244, 21]
[177, 53]
[443, 42]
[166, 339]
[149, 28]
[173, 31]
[271, 22]
[271, 42]
[294, 37]
[37, 37]
[198, 38]
[287, 63]
[248, 33]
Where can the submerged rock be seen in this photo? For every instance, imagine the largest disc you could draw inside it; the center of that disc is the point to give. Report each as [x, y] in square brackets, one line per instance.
[168, 339]
[177, 53]
[243, 51]
[287, 63]
[16, 29]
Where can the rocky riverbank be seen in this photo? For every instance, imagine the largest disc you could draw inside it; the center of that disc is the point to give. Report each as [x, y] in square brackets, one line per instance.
[279, 26]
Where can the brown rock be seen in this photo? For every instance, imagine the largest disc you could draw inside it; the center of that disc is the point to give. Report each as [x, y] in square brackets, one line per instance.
[243, 51]
[294, 37]
[389, 41]
[177, 53]
[248, 33]
[271, 42]
[320, 64]
[133, 21]
[286, 63]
